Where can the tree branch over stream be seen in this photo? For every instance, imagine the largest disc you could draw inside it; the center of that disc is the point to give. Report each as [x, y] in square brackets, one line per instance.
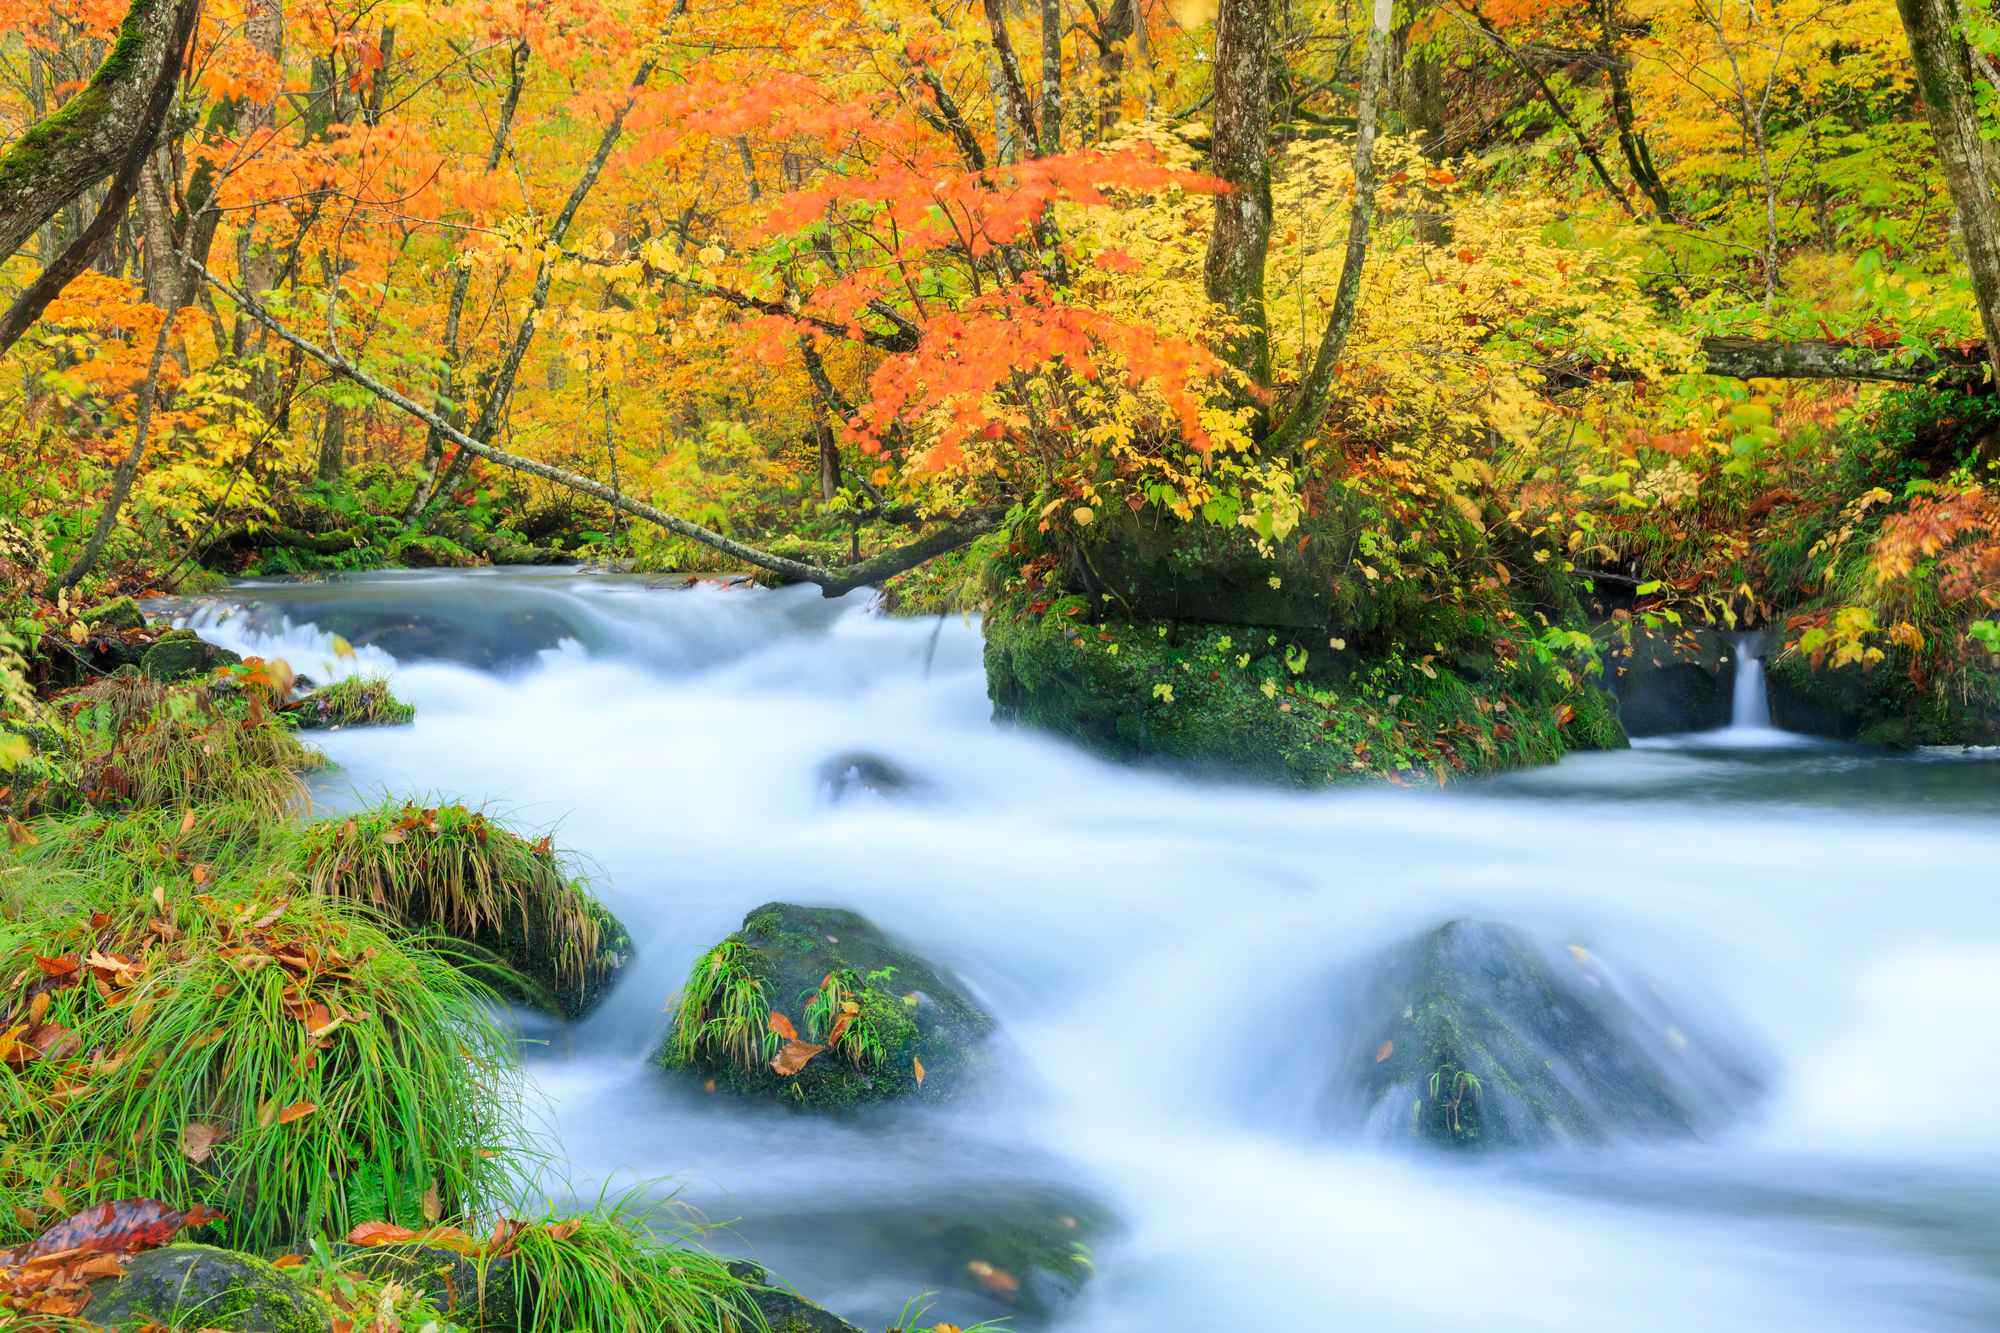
[953, 534]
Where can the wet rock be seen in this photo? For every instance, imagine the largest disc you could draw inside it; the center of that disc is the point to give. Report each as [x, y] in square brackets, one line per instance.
[858, 773]
[200, 1286]
[449, 1281]
[886, 1024]
[1881, 706]
[785, 1312]
[1473, 1036]
[1667, 683]
[181, 653]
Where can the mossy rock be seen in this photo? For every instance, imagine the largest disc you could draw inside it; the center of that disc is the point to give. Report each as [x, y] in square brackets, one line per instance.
[504, 897]
[1881, 705]
[450, 1282]
[783, 1311]
[1472, 1036]
[358, 701]
[181, 653]
[120, 613]
[816, 966]
[200, 1286]
[1273, 704]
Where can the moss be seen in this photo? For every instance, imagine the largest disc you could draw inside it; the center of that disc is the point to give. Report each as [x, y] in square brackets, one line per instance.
[27, 160]
[202, 1286]
[180, 654]
[879, 1011]
[120, 613]
[1883, 705]
[1283, 706]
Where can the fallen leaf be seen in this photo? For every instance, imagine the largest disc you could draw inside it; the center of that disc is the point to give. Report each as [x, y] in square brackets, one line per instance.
[783, 1027]
[379, 1233]
[1384, 1051]
[187, 821]
[998, 1281]
[198, 1140]
[917, 1067]
[794, 1056]
[296, 1111]
[433, 1206]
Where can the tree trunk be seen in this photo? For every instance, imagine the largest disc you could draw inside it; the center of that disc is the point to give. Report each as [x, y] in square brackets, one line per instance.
[332, 444]
[1052, 35]
[1240, 154]
[1944, 76]
[83, 141]
[1638, 157]
[1007, 80]
[1310, 406]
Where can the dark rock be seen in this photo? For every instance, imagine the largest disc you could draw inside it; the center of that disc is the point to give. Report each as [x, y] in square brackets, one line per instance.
[785, 1312]
[181, 653]
[199, 1286]
[1667, 683]
[1473, 1036]
[859, 773]
[449, 1281]
[1881, 705]
[906, 1013]
[120, 613]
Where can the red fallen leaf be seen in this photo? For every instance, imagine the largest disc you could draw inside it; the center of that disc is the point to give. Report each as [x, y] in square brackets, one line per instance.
[64, 966]
[121, 1226]
[783, 1027]
[1384, 1051]
[794, 1056]
[379, 1233]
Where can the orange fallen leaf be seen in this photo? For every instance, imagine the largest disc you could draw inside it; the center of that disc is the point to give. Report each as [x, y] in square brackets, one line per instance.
[794, 1056]
[783, 1027]
[296, 1111]
[917, 1067]
[996, 1280]
[1384, 1051]
[379, 1233]
[198, 1140]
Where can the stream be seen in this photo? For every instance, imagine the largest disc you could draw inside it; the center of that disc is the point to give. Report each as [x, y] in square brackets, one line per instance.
[1157, 951]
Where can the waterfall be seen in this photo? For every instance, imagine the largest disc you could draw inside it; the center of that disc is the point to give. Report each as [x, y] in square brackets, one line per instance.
[1750, 706]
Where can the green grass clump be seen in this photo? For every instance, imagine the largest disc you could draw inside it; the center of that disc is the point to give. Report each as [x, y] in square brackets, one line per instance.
[458, 871]
[137, 742]
[358, 701]
[723, 1012]
[610, 1271]
[228, 1039]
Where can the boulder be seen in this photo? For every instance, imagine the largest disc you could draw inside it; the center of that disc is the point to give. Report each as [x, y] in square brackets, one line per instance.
[1671, 682]
[1881, 705]
[120, 613]
[181, 653]
[1474, 1036]
[858, 773]
[873, 1021]
[200, 1286]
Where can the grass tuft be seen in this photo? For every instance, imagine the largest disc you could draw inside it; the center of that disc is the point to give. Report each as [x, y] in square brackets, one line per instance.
[610, 1271]
[275, 1055]
[358, 701]
[723, 1012]
[454, 869]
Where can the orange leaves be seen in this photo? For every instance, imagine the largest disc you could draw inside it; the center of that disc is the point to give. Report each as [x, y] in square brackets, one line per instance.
[793, 1056]
[1384, 1051]
[917, 1068]
[50, 1275]
[783, 1027]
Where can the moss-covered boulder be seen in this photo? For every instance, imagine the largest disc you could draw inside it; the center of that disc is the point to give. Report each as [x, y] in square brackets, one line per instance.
[200, 1286]
[120, 613]
[455, 870]
[1881, 705]
[358, 701]
[1282, 706]
[815, 1008]
[1474, 1036]
[784, 1311]
[181, 653]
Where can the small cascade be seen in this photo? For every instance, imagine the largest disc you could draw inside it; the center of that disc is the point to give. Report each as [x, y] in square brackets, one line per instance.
[1750, 706]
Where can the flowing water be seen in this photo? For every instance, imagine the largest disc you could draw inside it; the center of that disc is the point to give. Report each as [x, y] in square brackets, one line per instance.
[1158, 953]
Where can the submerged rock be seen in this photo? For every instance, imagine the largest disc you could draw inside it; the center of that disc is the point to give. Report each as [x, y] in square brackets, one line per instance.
[358, 701]
[857, 773]
[1474, 1036]
[814, 1007]
[181, 653]
[783, 1311]
[200, 1286]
